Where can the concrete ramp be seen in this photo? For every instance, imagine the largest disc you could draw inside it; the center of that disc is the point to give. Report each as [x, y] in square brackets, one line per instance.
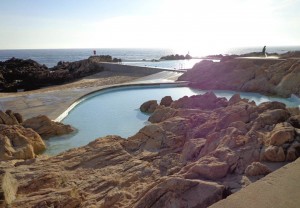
[279, 189]
[165, 76]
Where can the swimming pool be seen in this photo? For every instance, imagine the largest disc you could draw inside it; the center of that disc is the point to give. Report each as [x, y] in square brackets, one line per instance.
[116, 112]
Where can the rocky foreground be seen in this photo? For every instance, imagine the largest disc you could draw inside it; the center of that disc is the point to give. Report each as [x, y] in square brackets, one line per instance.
[264, 76]
[196, 151]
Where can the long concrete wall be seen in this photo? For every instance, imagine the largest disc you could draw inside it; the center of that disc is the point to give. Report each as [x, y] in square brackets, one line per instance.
[133, 69]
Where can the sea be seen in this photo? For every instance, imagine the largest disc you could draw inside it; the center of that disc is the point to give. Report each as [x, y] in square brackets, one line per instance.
[131, 56]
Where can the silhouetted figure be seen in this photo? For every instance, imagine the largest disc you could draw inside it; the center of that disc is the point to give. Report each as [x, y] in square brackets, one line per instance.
[94, 52]
[264, 51]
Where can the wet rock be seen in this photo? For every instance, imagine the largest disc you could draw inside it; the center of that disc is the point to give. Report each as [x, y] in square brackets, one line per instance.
[47, 128]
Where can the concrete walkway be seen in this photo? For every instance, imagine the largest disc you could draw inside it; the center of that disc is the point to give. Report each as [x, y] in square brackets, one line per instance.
[54, 102]
[279, 189]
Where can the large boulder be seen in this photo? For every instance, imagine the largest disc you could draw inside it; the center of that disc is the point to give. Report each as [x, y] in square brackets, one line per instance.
[208, 168]
[18, 142]
[166, 101]
[282, 133]
[149, 106]
[256, 169]
[273, 154]
[47, 128]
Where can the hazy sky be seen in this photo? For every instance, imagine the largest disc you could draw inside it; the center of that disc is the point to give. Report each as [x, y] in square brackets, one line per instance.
[148, 23]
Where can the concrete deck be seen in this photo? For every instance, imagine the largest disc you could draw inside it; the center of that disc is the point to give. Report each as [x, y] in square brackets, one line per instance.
[54, 102]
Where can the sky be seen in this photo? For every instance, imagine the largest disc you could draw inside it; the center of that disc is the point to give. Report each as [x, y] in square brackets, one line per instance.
[184, 24]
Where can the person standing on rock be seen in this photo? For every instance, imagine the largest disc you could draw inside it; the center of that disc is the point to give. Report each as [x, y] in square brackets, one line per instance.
[94, 52]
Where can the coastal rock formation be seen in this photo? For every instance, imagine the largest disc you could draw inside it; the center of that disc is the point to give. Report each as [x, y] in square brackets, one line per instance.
[176, 57]
[10, 118]
[149, 106]
[278, 77]
[18, 74]
[166, 101]
[18, 142]
[256, 169]
[196, 152]
[47, 128]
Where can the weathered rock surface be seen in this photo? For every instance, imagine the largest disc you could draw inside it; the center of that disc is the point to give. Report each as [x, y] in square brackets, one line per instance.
[28, 74]
[18, 142]
[47, 128]
[10, 118]
[8, 188]
[149, 106]
[199, 150]
[256, 169]
[166, 101]
[278, 78]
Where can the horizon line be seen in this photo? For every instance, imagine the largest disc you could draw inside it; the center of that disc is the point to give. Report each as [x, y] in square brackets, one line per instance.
[166, 48]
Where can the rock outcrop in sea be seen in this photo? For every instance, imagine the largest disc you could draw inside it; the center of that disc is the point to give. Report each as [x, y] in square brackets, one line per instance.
[18, 74]
[195, 152]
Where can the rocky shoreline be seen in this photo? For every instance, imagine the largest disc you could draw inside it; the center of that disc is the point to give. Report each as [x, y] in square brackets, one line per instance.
[23, 75]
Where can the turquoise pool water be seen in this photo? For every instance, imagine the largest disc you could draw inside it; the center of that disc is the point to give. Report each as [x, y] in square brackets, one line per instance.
[116, 111]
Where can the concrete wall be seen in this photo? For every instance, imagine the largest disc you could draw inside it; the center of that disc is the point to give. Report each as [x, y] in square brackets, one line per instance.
[132, 69]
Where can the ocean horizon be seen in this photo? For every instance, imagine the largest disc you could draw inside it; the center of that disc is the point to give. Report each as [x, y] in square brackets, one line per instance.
[134, 56]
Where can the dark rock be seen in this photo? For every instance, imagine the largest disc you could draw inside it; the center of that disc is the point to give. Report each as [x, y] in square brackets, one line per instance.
[149, 106]
[166, 101]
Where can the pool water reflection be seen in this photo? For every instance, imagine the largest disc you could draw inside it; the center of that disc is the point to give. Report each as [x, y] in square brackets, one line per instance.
[116, 112]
